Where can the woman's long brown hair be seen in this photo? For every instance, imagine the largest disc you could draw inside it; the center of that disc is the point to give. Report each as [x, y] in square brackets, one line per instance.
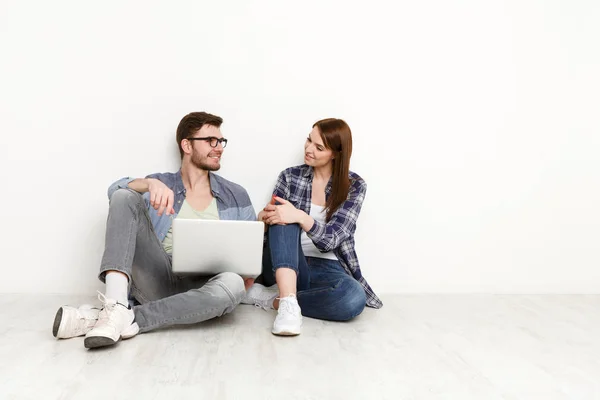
[337, 137]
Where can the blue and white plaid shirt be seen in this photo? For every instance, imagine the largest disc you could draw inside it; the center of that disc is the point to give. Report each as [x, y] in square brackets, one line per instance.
[295, 185]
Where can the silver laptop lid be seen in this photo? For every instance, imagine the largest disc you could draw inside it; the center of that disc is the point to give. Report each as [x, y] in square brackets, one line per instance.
[209, 247]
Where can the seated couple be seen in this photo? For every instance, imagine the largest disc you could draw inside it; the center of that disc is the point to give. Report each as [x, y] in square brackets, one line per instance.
[309, 264]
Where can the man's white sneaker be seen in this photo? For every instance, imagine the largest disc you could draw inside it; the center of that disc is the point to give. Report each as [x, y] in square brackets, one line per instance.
[289, 317]
[261, 296]
[115, 322]
[71, 322]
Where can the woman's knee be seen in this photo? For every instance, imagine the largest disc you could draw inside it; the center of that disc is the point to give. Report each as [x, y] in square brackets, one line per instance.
[353, 301]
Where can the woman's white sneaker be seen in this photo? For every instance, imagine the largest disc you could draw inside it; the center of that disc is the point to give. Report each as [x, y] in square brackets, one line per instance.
[115, 322]
[289, 317]
[71, 322]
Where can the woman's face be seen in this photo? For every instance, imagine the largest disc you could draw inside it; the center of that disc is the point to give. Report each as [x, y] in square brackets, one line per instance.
[315, 152]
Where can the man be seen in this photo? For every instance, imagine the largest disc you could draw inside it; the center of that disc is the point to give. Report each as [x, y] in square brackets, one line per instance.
[137, 257]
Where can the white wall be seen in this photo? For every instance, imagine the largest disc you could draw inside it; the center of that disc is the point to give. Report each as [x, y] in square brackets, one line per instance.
[475, 125]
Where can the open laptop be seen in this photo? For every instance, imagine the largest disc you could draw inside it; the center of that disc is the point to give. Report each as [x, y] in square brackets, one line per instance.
[209, 247]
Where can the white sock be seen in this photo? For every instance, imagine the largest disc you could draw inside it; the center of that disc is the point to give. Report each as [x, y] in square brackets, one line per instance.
[116, 287]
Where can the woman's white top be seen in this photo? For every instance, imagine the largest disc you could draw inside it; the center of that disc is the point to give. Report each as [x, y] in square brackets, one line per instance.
[308, 247]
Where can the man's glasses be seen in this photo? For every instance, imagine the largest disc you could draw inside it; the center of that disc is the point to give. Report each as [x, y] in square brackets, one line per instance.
[213, 141]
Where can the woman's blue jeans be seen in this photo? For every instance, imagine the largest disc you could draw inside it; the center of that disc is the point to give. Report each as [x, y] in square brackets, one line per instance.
[325, 290]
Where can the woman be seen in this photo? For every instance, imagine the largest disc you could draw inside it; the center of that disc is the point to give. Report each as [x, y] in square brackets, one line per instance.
[309, 250]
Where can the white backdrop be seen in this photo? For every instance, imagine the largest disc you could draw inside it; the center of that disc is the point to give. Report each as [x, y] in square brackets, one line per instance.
[475, 125]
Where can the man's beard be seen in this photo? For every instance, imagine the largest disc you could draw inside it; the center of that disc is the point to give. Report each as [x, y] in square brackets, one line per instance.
[201, 162]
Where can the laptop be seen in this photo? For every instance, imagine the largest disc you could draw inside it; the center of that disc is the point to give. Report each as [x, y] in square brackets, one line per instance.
[209, 247]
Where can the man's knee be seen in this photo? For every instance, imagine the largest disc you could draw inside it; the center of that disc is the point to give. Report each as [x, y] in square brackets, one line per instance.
[232, 284]
[125, 196]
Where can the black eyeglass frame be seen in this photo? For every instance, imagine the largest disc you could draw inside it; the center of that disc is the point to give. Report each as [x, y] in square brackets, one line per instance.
[211, 140]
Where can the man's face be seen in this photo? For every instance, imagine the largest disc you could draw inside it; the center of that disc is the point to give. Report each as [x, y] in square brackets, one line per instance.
[204, 156]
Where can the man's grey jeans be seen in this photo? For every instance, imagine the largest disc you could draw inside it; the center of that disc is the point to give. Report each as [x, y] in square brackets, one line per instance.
[166, 299]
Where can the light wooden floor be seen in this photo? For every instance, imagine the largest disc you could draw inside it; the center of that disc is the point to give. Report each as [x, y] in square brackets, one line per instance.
[417, 347]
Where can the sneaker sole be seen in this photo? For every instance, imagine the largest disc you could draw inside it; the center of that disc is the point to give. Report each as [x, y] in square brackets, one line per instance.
[286, 332]
[57, 321]
[93, 342]
[98, 341]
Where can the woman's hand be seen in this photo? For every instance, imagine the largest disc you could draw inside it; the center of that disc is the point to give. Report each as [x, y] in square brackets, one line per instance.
[261, 216]
[282, 214]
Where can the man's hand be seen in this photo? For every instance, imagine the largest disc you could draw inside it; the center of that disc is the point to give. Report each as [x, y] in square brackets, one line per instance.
[161, 197]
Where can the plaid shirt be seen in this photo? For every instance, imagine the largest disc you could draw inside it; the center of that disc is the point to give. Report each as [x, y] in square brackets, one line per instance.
[295, 185]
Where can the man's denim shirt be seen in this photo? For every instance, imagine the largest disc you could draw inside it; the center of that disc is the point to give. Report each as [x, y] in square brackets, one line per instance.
[233, 201]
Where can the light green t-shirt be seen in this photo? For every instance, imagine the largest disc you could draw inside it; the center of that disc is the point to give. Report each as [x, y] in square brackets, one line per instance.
[187, 212]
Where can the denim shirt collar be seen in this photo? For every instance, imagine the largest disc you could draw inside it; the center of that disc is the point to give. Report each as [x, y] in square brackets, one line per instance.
[215, 186]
